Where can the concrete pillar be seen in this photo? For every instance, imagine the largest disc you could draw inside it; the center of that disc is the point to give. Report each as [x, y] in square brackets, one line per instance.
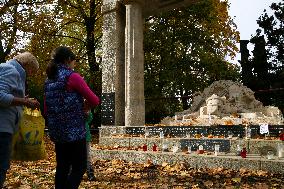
[113, 63]
[134, 55]
[120, 67]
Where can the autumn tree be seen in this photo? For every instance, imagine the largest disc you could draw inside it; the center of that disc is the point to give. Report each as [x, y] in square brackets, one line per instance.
[185, 51]
[41, 25]
[41, 45]
[80, 28]
[73, 23]
[77, 24]
[16, 18]
[19, 23]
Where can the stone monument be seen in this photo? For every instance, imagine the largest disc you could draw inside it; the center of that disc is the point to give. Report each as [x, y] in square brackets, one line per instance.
[226, 102]
[123, 96]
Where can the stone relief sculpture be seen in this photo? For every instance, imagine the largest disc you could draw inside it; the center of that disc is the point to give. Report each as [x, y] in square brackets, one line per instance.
[215, 105]
[226, 102]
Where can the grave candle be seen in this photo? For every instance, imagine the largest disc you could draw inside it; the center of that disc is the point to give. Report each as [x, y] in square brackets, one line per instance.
[165, 147]
[200, 149]
[280, 149]
[281, 154]
[270, 155]
[239, 150]
[161, 134]
[147, 132]
[144, 147]
[189, 149]
[281, 136]
[217, 149]
[244, 153]
[248, 132]
[154, 147]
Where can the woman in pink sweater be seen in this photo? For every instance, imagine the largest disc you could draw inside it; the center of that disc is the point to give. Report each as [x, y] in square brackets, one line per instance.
[65, 92]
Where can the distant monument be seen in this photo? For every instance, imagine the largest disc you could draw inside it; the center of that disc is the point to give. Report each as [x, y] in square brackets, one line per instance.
[226, 102]
[123, 58]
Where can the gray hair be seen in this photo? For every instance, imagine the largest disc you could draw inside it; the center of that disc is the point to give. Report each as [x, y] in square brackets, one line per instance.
[27, 59]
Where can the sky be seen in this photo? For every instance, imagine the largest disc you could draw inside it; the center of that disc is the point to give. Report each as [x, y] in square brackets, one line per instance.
[245, 13]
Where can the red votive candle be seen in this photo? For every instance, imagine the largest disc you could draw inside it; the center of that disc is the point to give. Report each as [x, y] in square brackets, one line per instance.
[154, 147]
[144, 147]
[244, 153]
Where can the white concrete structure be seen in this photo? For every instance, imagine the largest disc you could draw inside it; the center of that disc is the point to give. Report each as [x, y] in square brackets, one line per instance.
[123, 58]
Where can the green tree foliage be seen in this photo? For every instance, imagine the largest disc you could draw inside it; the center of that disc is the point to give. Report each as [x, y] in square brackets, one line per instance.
[272, 27]
[260, 59]
[268, 56]
[185, 51]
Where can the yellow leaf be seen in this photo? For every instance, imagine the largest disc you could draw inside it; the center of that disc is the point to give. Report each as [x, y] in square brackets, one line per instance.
[237, 179]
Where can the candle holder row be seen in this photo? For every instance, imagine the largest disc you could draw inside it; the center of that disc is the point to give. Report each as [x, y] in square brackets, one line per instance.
[221, 131]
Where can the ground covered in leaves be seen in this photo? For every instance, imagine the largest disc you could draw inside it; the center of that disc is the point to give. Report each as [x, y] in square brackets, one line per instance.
[121, 174]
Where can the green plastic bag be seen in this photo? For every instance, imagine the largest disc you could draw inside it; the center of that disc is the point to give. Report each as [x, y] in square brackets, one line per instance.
[28, 142]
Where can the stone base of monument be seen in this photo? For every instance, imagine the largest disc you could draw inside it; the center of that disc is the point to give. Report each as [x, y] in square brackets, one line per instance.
[226, 145]
[227, 161]
[126, 143]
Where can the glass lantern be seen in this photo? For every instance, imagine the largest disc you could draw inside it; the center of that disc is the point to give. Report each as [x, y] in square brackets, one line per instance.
[270, 155]
[217, 149]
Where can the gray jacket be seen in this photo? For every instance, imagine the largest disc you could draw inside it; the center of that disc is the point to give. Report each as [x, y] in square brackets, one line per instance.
[12, 84]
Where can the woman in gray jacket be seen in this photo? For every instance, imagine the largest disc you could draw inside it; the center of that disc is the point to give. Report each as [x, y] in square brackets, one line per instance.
[12, 99]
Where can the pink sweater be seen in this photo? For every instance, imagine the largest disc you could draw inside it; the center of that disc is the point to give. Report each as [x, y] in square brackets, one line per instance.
[78, 84]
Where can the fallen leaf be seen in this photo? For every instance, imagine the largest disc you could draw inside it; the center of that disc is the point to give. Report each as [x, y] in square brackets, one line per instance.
[208, 183]
[237, 179]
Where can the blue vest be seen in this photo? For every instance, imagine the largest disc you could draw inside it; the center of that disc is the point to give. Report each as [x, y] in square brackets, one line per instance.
[64, 110]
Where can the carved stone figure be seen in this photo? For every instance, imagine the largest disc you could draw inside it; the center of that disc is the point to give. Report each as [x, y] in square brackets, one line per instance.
[214, 106]
[226, 102]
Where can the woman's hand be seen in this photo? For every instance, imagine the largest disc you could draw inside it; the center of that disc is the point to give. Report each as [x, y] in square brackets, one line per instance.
[32, 103]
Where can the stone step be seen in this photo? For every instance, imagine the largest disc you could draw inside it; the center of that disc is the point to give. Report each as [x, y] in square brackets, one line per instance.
[227, 161]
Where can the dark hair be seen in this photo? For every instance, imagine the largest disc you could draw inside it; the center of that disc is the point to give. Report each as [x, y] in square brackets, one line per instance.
[60, 55]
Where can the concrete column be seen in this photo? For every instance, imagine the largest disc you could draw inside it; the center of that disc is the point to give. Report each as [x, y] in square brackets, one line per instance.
[120, 66]
[113, 63]
[134, 55]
